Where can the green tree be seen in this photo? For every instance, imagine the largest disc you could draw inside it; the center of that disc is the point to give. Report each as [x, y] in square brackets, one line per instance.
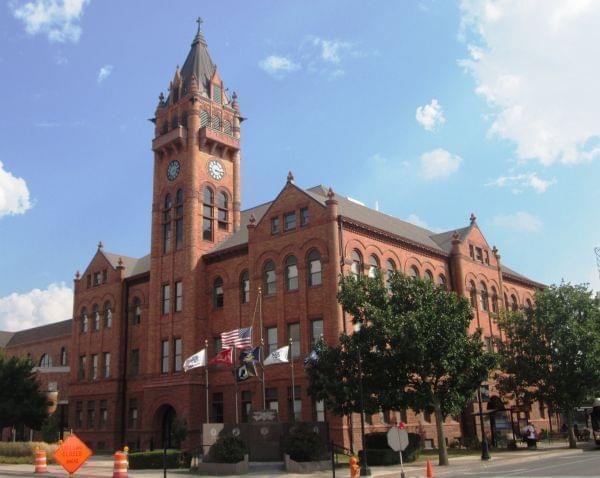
[21, 401]
[551, 352]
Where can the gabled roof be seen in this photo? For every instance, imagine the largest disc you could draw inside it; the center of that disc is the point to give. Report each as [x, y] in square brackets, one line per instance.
[444, 239]
[132, 265]
[43, 332]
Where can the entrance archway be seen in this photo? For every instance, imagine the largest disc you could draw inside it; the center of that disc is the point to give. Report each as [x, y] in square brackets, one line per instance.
[164, 420]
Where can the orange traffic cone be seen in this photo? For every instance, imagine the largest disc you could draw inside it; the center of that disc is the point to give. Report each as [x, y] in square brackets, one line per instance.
[429, 469]
[120, 466]
[41, 466]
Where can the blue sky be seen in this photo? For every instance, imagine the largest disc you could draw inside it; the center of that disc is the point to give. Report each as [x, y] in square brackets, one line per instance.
[430, 109]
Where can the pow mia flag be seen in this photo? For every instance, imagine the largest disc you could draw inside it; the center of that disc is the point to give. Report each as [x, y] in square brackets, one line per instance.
[245, 372]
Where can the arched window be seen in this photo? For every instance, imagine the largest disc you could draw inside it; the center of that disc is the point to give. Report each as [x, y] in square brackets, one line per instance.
[428, 275]
[216, 122]
[442, 281]
[96, 317]
[167, 224]
[137, 311]
[45, 361]
[63, 356]
[227, 127]
[269, 278]
[473, 294]
[245, 287]
[514, 304]
[356, 267]
[179, 219]
[315, 275]
[203, 118]
[223, 206]
[373, 266]
[174, 122]
[494, 300]
[414, 272]
[505, 301]
[218, 296]
[84, 320]
[390, 267]
[291, 273]
[107, 315]
[528, 303]
[483, 296]
[208, 211]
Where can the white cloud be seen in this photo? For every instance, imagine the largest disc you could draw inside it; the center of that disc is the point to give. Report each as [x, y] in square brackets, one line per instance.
[59, 19]
[519, 182]
[36, 307]
[278, 66]
[521, 221]
[439, 163]
[104, 73]
[430, 116]
[331, 50]
[534, 63]
[14, 194]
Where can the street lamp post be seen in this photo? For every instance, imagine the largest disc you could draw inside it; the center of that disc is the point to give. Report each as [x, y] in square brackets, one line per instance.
[485, 449]
[364, 466]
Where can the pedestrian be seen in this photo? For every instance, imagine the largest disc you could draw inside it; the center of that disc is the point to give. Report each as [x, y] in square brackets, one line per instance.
[531, 436]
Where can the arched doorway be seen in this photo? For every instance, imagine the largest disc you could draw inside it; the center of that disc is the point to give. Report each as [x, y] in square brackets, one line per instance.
[164, 421]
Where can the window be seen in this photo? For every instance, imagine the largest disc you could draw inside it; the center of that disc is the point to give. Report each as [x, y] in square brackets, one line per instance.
[104, 276]
[94, 367]
[271, 399]
[489, 343]
[166, 299]
[96, 278]
[45, 361]
[289, 221]
[427, 416]
[218, 297]
[316, 331]
[216, 93]
[294, 334]
[414, 272]
[227, 127]
[178, 296]
[223, 211]
[428, 275]
[96, 317]
[203, 118]
[274, 225]
[542, 410]
[207, 211]
[107, 315]
[134, 368]
[132, 415]
[216, 122]
[390, 267]
[514, 305]
[103, 413]
[472, 251]
[271, 339]
[246, 405]
[137, 311]
[373, 266]
[442, 281]
[315, 275]
[79, 415]
[291, 273]
[217, 407]
[84, 321]
[81, 368]
[320, 411]
[164, 356]
[106, 364]
[303, 216]
[528, 304]
[479, 254]
[217, 344]
[245, 287]
[91, 414]
[89, 281]
[179, 219]
[356, 267]
[484, 297]
[403, 415]
[178, 362]
[167, 224]
[270, 278]
[63, 356]
[295, 408]
[473, 294]
[494, 300]
[487, 257]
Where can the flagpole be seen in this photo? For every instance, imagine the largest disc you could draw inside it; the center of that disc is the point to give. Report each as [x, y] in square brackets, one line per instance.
[235, 381]
[206, 380]
[293, 383]
[262, 344]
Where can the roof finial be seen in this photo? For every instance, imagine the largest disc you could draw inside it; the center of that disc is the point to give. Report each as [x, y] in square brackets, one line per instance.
[100, 245]
[290, 177]
[330, 194]
[455, 236]
[120, 264]
[199, 21]
[252, 219]
[77, 275]
[473, 218]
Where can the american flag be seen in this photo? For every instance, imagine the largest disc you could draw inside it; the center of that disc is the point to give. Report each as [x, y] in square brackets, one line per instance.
[237, 337]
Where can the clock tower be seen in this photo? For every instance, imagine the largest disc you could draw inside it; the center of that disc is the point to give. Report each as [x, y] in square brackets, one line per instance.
[196, 190]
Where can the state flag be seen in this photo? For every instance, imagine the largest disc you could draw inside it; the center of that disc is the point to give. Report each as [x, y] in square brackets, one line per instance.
[278, 356]
[196, 360]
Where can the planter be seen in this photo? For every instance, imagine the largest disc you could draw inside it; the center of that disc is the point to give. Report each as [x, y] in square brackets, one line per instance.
[292, 466]
[208, 468]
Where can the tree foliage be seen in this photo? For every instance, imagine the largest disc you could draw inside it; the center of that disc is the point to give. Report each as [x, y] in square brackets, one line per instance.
[21, 401]
[415, 346]
[551, 352]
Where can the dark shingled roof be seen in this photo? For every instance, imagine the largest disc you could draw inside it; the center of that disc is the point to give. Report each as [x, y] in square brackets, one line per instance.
[199, 63]
[44, 332]
[132, 265]
[5, 338]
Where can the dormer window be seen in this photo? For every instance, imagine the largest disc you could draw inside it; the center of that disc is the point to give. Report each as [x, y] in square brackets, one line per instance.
[479, 254]
[472, 251]
[96, 278]
[216, 93]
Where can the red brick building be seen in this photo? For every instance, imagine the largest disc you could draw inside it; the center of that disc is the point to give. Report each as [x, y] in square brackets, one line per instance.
[136, 320]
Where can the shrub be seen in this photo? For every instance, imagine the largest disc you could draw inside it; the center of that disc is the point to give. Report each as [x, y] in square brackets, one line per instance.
[303, 445]
[379, 452]
[26, 450]
[228, 449]
[154, 459]
[378, 457]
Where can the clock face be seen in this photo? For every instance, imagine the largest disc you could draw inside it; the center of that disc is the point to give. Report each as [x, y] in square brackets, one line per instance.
[173, 170]
[216, 169]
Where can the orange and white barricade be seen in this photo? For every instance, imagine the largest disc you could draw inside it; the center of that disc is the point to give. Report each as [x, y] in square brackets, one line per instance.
[120, 466]
[41, 465]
